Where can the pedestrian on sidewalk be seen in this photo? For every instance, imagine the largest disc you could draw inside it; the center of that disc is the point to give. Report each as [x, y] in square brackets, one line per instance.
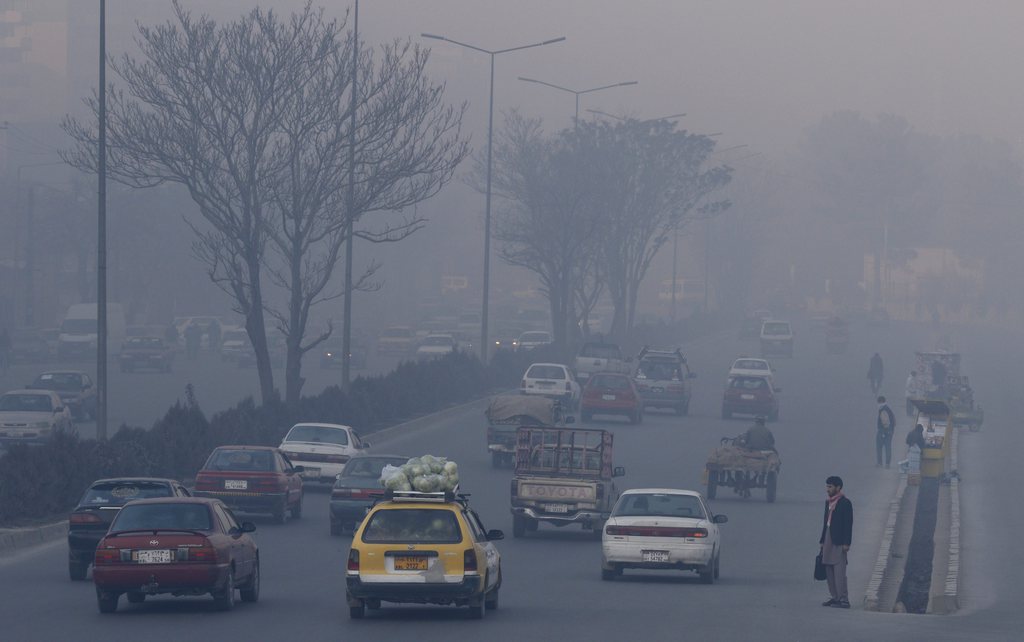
[885, 424]
[915, 446]
[875, 373]
[836, 537]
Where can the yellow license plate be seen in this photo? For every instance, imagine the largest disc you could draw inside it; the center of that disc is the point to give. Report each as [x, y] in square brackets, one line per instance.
[410, 563]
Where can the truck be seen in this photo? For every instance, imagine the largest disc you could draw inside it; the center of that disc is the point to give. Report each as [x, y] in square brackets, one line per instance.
[597, 356]
[79, 331]
[506, 413]
[563, 477]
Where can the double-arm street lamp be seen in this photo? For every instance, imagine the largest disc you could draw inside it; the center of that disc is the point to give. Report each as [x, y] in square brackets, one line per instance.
[579, 92]
[484, 345]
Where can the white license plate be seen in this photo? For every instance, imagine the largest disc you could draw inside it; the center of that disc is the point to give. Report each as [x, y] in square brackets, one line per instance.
[236, 484]
[608, 397]
[311, 472]
[545, 384]
[159, 556]
[747, 397]
[655, 556]
[556, 508]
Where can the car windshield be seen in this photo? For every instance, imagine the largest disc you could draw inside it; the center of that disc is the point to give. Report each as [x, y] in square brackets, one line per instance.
[15, 402]
[775, 328]
[78, 326]
[659, 505]
[437, 341]
[144, 342]
[241, 460]
[748, 383]
[118, 493]
[659, 369]
[369, 467]
[601, 351]
[413, 525]
[58, 381]
[318, 434]
[535, 337]
[750, 364]
[162, 516]
[609, 382]
[545, 372]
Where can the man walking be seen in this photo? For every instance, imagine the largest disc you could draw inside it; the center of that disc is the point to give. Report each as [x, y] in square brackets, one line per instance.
[885, 424]
[836, 536]
[875, 373]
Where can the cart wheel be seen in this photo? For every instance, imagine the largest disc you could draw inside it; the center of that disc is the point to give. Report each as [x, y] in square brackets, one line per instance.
[772, 483]
[712, 483]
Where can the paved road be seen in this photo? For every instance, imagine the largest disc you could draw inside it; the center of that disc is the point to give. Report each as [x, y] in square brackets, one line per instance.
[552, 588]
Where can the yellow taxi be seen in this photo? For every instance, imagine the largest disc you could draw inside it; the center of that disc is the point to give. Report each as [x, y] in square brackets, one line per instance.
[425, 548]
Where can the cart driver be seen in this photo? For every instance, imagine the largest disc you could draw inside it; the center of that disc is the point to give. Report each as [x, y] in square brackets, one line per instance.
[758, 437]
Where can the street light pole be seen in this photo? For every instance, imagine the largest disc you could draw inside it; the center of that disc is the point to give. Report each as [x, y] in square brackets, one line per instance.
[578, 92]
[101, 248]
[346, 332]
[484, 344]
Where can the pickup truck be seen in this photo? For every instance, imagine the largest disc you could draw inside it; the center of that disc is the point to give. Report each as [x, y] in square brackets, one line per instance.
[506, 413]
[597, 357]
[146, 352]
[563, 476]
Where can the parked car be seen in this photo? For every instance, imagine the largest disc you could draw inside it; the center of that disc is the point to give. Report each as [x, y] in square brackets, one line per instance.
[75, 389]
[662, 528]
[611, 393]
[178, 545]
[141, 353]
[750, 395]
[396, 340]
[32, 416]
[79, 331]
[252, 479]
[663, 379]
[776, 338]
[234, 342]
[356, 488]
[91, 517]
[435, 538]
[552, 380]
[532, 339]
[29, 346]
[321, 449]
[436, 345]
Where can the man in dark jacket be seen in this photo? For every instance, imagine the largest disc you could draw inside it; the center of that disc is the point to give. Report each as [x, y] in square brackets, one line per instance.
[758, 437]
[836, 536]
[875, 373]
[885, 424]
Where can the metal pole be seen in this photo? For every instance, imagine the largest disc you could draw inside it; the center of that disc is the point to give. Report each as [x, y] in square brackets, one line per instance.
[675, 267]
[30, 257]
[576, 118]
[484, 345]
[346, 333]
[101, 249]
[707, 256]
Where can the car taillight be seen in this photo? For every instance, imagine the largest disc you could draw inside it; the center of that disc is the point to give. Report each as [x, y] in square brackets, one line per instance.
[341, 492]
[337, 459]
[206, 554]
[656, 531]
[353, 560]
[206, 482]
[84, 518]
[107, 556]
[276, 483]
[469, 561]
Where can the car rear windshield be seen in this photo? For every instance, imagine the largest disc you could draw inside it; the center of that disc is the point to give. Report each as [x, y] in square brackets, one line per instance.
[750, 364]
[58, 381]
[748, 383]
[369, 467]
[144, 342]
[600, 351]
[610, 382]
[776, 328]
[26, 403]
[659, 369]
[122, 492]
[318, 435]
[659, 505]
[413, 525]
[162, 516]
[545, 372]
[241, 460]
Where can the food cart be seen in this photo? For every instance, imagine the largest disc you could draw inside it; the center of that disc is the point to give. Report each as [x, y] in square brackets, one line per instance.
[734, 466]
[935, 416]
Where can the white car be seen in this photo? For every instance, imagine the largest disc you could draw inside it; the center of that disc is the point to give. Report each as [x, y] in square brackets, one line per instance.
[321, 449]
[234, 342]
[32, 416]
[436, 345]
[662, 528]
[552, 380]
[751, 367]
[532, 339]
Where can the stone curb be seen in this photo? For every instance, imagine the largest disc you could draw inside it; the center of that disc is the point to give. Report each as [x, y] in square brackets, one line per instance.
[14, 539]
[951, 600]
[874, 589]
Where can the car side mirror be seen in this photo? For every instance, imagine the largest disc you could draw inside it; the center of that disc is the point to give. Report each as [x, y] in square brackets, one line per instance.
[719, 519]
[494, 535]
[366, 444]
[619, 471]
[570, 420]
[298, 469]
[248, 527]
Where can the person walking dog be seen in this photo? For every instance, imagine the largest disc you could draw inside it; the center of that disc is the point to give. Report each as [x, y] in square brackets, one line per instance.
[836, 536]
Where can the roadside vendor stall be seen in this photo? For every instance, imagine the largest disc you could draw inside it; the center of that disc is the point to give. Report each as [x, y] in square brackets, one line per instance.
[934, 415]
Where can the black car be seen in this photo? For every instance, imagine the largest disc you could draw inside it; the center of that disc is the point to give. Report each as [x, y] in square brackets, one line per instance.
[356, 488]
[75, 388]
[332, 350]
[98, 507]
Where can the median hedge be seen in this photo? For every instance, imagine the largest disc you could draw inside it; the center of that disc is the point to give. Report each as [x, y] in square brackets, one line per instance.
[38, 482]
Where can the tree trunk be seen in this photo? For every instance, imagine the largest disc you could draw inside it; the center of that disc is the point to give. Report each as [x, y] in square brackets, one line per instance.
[296, 330]
[257, 329]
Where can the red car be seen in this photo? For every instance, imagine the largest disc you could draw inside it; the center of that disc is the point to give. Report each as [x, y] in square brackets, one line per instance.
[609, 393]
[750, 395]
[252, 479]
[176, 545]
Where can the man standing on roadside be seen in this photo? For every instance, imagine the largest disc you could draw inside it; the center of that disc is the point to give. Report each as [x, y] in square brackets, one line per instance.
[885, 424]
[836, 536]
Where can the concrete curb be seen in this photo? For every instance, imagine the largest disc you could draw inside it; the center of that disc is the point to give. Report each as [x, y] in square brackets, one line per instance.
[872, 595]
[13, 539]
[948, 600]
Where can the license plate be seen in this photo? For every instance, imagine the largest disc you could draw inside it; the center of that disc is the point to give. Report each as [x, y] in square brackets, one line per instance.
[236, 484]
[657, 390]
[556, 508]
[545, 384]
[608, 397]
[311, 472]
[747, 397]
[158, 556]
[411, 563]
[655, 556]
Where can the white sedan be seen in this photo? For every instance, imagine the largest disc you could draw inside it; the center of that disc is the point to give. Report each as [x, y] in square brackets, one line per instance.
[321, 449]
[436, 345]
[32, 416]
[751, 367]
[662, 528]
[552, 380]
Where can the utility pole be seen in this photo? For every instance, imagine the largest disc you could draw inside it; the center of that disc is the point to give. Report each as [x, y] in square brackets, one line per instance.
[346, 332]
[30, 253]
[101, 241]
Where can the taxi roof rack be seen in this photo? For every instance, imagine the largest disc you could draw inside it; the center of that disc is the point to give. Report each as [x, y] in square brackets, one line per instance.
[432, 498]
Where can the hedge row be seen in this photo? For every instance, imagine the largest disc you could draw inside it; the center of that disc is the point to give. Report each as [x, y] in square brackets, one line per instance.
[43, 481]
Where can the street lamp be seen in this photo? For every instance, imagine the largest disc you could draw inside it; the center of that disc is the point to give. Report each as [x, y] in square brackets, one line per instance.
[646, 120]
[490, 136]
[101, 240]
[580, 92]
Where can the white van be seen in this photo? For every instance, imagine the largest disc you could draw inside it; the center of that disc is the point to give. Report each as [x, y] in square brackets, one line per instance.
[78, 333]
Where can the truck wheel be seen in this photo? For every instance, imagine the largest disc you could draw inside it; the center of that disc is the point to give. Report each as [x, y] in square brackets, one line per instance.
[771, 483]
[598, 531]
[518, 526]
[712, 483]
